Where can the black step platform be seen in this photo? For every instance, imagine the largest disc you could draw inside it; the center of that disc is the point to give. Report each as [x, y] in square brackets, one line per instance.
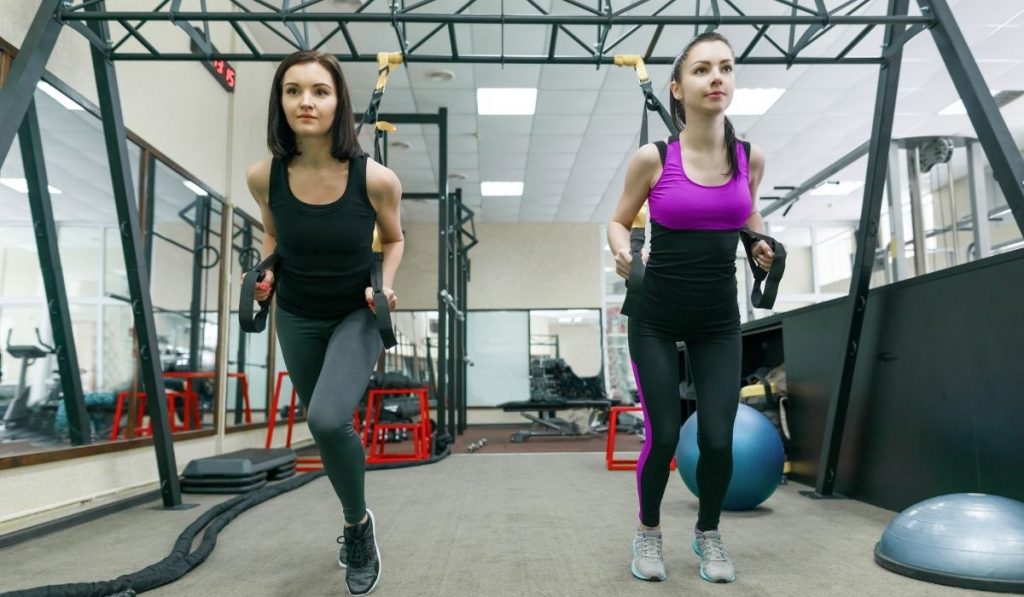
[220, 481]
[243, 463]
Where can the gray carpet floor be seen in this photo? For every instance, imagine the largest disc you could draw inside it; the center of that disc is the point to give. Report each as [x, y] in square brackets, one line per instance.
[485, 525]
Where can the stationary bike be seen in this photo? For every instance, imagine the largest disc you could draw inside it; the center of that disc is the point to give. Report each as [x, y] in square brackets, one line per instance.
[18, 413]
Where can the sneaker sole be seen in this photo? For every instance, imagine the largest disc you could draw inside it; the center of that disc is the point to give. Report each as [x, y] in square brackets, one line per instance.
[380, 568]
[696, 550]
[638, 576]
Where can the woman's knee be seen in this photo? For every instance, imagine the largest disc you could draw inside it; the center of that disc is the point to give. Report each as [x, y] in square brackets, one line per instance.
[329, 425]
[664, 441]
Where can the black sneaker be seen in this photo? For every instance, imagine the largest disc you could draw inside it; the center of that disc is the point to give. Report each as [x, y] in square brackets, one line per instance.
[363, 557]
[342, 553]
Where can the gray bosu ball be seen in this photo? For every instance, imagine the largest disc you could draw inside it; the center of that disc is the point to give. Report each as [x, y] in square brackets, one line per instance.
[968, 540]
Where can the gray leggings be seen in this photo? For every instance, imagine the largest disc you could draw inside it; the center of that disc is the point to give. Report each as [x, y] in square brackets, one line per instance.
[329, 362]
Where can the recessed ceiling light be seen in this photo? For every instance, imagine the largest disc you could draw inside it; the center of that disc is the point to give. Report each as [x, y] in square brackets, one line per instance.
[506, 101]
[753, 101]
[21, 185]
[441, 76]
[837, 187]
[457, 176]
[501, 189]
[198, 190]
[400, 145]
[61, 99]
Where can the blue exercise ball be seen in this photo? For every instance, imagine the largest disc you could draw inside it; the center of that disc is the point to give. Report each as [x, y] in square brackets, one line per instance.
[757, 459]
[969, 540]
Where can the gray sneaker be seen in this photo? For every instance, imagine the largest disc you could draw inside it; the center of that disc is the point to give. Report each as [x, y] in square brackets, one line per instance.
[647, 563]
[715, 565]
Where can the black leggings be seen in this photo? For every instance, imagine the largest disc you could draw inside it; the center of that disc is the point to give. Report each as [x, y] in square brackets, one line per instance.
[713, 346]
[329, 363]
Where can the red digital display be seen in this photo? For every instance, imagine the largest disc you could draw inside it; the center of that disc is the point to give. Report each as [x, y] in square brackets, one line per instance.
[220, 69]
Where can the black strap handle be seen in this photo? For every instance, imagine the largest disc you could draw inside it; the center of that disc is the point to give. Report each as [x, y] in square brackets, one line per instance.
[635, 283]
[380, 302]
[250, 322]
[764, 299]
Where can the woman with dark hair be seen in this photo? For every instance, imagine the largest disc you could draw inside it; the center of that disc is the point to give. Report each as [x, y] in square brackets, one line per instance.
[321, 197]
[701, 191]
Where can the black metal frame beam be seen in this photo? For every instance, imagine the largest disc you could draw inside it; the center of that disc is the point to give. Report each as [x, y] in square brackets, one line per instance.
[53, 276]
[116, 137]
[993, 134]
[26, 72]
[291, 25]
[867, 238]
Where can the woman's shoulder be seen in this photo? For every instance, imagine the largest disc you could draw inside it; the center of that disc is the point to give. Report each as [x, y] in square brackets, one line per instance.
[380, 178]
[257, 175]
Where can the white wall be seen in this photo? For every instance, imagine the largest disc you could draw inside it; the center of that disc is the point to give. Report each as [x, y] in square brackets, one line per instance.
[34, 494]
[515, 266]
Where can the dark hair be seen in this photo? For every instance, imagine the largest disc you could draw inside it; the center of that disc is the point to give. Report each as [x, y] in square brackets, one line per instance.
[676, 106]
[281, 137]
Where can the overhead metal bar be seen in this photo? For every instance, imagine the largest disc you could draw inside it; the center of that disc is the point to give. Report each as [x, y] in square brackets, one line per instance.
[562, 15]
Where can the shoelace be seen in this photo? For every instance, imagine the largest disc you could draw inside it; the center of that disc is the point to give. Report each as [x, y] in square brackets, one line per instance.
[650, 547]
[712, 549]
[360, 549]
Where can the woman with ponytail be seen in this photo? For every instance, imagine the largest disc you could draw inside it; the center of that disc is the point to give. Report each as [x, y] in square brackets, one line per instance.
[701, 189]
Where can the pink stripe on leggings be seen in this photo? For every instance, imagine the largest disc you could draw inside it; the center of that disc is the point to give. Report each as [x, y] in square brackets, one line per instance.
[646, 450]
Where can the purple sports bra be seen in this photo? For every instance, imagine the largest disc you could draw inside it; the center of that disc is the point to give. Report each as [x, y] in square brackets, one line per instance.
[679, 203]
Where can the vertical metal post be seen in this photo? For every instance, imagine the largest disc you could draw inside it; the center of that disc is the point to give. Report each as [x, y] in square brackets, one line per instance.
[901, 269]
[243, 343]
[979, 203]
[224, 316]
[993, 134]
[442, 277]
[138, 277]
[45, 230]
[916, 212]
[815, 275]
[148, 204]
[199, 226]
[867, 234]
[954, 217]
[26, 70]
[453, 335]
[462, 287]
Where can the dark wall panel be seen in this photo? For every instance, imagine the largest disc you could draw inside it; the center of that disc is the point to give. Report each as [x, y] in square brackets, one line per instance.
[937, 404]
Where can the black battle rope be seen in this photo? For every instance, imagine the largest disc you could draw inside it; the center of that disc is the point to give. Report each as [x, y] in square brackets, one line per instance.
[181, 560]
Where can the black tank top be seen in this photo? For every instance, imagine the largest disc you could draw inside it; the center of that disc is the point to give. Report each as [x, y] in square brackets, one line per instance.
[326, 250]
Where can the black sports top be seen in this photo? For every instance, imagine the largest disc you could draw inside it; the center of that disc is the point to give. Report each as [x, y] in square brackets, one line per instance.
[326, 250]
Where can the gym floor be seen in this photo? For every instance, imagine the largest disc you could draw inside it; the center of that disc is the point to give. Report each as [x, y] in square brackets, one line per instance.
[484, 524]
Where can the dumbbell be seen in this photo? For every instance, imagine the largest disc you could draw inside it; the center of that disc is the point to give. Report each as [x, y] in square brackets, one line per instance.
[473, 447]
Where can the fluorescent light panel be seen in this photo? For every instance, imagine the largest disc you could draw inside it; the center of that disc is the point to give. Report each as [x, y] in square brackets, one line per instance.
[21, 185]
[506, 101]
[842, 187]
[59, 97]
[194, 188]
[501, 189]
[753, 101]
[957, 108]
